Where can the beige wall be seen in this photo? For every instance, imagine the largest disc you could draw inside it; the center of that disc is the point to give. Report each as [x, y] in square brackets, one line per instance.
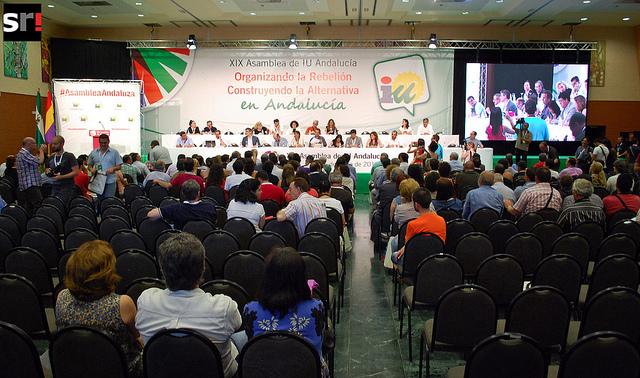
[34, 81]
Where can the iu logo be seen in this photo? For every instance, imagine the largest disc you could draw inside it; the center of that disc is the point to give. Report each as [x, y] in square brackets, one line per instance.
[22, 22]
[401, 82]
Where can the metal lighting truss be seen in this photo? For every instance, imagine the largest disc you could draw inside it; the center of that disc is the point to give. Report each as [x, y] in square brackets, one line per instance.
[370, 44]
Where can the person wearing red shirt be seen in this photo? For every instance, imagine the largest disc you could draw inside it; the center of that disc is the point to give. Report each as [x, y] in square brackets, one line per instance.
[267, 190]
[428, 221]
[182, 177]
[312, 129]
[623, 199]
[82, 178]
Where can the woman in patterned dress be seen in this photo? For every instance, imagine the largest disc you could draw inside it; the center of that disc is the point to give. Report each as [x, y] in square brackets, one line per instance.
[89, 300]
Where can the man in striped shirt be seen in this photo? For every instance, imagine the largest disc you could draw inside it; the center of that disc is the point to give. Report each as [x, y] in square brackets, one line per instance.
[28, 161]
[582, 210]
[303, 208]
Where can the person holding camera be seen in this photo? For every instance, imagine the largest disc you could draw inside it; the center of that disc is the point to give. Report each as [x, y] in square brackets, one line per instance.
[523, 140]
[62, 168]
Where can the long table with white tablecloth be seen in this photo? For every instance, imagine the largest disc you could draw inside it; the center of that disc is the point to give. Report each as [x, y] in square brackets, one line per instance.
[361, 158]
[402, 141]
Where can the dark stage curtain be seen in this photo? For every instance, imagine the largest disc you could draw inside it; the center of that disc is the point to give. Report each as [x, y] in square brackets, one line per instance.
[81, 59]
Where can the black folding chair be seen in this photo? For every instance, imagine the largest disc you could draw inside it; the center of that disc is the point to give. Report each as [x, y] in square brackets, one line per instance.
[264, 242]
[19, 357]
[242, 229]
[282, 354]
[285, 229]
[246, 268]
[77, 352]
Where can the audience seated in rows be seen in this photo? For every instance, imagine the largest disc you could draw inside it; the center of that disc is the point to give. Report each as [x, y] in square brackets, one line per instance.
[184, 305]
[428, 221]
[445, 197]
[303, 207]
[539, 196]
[485, 196]
[285, 302]
[581, 209]
[191, 209]
[623, 199]
[245, 203]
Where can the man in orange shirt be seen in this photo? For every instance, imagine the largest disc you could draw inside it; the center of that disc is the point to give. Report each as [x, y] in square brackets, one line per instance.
[428, 221]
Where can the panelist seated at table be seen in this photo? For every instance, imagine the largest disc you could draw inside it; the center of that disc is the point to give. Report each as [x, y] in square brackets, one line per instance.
[296, 140]
[317, 140]
[337, 142]
[258, 129]
[394, 142]
[472, 139]
[425, 129]
[218, 138]
[293, 126]
[184, 140]
[353, 141]
[374, 141]
[209, 129]
[249, 139]
[276, 128]
[405, 129]
[312, 129]
[331, 127]
[279, 141]
[193, 128]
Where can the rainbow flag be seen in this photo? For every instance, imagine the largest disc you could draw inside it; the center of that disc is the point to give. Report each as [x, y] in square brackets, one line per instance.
[49, 120]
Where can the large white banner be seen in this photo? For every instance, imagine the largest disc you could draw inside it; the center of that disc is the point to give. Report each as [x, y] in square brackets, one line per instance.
[365, 89]
[86, 109]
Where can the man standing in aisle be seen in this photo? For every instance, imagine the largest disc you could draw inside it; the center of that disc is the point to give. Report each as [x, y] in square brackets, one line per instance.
[27, 163]
[105, 161]
[62, 168]
[159, 152]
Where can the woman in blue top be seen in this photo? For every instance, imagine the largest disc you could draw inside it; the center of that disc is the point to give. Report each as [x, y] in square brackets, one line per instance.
[284, 301]
[445, 198]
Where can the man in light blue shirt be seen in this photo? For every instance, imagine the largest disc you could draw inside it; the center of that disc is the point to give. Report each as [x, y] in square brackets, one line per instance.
[106, 161]
[483, 197]
[530, 176]
[456, 165]
[537, 126]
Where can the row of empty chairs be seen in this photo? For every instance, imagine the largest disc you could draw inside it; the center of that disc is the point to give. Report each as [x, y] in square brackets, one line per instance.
[87, 352]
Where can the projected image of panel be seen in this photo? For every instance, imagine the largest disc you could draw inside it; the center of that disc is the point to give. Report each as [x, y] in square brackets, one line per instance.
[551, 99]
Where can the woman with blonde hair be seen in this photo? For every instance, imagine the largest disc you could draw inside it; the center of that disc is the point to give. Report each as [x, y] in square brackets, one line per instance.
[598, 177]
[402, 211]
[90, 300]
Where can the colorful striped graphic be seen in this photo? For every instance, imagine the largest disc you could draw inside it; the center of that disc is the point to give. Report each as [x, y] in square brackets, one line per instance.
[49, 120]
[163, 71]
